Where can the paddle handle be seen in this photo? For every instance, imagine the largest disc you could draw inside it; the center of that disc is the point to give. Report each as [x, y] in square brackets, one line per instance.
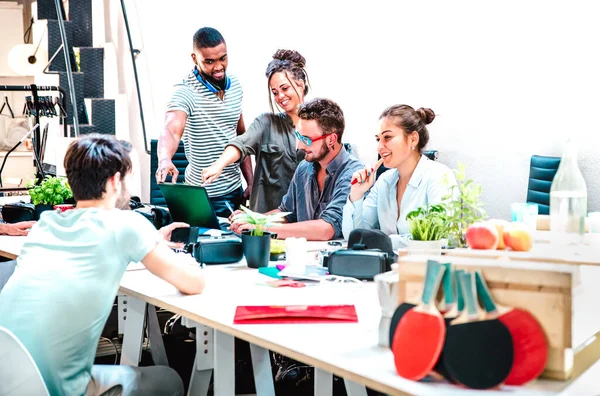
[467, 282]
[460, 301]
[448, 285]
[484, 293]
[433, 276]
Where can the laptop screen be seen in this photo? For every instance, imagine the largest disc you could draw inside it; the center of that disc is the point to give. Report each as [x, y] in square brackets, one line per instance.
[189, 204]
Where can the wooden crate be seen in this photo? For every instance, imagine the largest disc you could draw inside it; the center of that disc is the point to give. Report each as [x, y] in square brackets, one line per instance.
[564, 307]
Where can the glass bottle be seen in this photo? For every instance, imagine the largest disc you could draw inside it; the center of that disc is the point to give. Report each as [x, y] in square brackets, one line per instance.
[568, 198]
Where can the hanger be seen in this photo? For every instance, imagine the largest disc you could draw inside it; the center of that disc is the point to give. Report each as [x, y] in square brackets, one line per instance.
[6, 104]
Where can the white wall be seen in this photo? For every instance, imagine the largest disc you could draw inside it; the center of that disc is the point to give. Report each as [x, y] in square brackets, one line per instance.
[507, 79]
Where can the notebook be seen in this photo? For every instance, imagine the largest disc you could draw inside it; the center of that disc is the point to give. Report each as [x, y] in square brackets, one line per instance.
[282, 314]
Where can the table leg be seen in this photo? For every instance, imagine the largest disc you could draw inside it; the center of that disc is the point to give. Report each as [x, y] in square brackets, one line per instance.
[133, 334]
[354, 389]
[323, 383]
[157, 346]
[224, 371]
[204, 361]
[263, 375]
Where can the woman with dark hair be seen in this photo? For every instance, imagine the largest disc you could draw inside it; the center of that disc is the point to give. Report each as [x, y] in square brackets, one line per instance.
[271, 137]
[412, 181]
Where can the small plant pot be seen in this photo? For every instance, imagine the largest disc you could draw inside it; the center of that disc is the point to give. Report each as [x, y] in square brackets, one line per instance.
[426, 247]
[42, 208]
[257, 249]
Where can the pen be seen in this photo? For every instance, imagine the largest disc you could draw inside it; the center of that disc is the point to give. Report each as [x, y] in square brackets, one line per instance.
[229, 206]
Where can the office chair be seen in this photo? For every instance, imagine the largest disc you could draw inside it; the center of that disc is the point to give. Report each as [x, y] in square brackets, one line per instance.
[180, 162]
[541, 173]
[19, 375]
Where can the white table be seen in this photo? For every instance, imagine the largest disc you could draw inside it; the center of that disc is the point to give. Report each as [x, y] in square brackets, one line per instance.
[347, 350]
[10, 246]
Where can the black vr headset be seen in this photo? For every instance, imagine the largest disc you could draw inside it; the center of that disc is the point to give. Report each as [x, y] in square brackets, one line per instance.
[369, 253]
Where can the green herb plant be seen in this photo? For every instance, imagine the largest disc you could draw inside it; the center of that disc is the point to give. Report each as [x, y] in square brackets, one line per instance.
[260, 221]
[463, 206]
[428, 223]
[52, 191]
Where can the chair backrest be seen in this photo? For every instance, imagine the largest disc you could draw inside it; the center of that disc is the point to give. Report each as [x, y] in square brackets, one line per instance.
[19, 374]
[180, 162]
[541, 173]
[431, 154]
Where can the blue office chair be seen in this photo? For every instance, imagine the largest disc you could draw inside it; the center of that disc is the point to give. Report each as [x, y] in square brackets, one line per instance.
[541, 173]
[180, 162]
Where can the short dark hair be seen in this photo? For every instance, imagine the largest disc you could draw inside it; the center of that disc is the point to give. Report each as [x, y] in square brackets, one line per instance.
[327, 113]
[207, 37]
[93, 159]
[409, 120]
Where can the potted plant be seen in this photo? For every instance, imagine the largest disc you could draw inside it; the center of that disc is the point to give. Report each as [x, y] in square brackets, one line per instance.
[256, 243]
[463, 206]
[429, 228]
[51, 191]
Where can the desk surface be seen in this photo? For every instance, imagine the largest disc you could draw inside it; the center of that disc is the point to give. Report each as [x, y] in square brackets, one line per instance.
[347, 350]
[10, 246]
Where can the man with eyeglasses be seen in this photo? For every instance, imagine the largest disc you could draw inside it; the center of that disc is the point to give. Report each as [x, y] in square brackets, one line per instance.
[321, 183]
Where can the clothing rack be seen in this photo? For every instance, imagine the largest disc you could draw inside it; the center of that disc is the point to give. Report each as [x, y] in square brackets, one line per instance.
[34, 89]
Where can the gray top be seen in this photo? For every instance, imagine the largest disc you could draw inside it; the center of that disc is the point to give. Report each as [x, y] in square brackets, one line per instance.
[306, 203]
[270, 138]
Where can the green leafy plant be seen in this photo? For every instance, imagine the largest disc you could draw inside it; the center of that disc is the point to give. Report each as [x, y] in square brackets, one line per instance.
[51, 191]
[428, 223]
[260, 221]
[463, 206]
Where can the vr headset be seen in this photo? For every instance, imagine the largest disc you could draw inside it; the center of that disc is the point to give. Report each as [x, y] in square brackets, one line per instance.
[369, 253]
[206, 249]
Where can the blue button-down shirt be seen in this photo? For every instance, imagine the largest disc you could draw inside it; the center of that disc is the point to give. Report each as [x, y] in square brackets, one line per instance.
[379, 209]
[304, 200]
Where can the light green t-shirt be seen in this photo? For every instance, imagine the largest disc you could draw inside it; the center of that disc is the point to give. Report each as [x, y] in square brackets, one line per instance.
[66, 279]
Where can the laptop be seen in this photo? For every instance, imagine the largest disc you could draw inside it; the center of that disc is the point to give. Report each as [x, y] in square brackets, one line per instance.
[190, 204]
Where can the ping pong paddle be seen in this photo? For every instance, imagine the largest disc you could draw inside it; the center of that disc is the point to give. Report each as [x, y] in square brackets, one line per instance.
[530, 348]
[419, 337]
[477, 353]
[452, 288]
[448, 301]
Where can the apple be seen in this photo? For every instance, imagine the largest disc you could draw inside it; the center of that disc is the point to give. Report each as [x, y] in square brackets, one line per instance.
[517, 237]
[500, 226]
[482, 235]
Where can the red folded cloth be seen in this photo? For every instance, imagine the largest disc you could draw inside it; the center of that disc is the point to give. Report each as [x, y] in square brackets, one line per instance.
[263, 314]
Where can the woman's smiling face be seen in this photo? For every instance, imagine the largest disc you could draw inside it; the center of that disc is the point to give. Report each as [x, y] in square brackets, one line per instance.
[286, 91]
[394, 145]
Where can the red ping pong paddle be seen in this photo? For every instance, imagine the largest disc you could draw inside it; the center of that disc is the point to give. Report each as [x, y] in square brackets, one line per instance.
[419, 337]
[530, 348]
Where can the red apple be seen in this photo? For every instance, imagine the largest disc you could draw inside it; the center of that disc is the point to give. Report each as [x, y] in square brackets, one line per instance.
[482, 235]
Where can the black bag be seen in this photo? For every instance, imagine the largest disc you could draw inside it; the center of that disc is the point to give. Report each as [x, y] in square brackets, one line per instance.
[157, 215]
[18, 211]
[223, 249]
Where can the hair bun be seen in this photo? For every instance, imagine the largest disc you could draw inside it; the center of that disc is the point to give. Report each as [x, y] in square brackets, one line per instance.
[427, 115]
[291, 56]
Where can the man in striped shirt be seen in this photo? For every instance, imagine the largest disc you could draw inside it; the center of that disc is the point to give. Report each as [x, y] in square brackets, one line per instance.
[206, 112]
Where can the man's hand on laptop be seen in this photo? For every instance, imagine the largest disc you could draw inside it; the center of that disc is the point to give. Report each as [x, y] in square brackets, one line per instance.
[166, 234]
[166, 167]
[239, 226]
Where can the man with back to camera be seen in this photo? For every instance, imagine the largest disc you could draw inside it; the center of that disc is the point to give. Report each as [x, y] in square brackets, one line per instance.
[68, 273]
[206, 112]
[321, 183]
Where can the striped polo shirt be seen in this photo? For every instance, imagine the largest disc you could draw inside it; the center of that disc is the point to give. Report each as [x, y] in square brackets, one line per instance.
[211, 124]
